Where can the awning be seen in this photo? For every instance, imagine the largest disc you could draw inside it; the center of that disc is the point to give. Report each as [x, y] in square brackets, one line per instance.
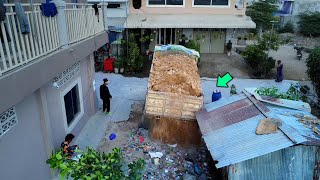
[188, 21]
[116, 23]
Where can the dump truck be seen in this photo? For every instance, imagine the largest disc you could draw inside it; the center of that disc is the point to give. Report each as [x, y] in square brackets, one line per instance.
[174, 94]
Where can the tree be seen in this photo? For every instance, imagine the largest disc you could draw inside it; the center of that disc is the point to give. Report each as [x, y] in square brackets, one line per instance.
[313, 65]
[261, 13]
[309, 24]
[96, 166]
[257, 57]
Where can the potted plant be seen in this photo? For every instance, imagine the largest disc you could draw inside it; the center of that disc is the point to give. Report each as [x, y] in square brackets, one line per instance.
[116, 66]
[239, 40]
[121, 67]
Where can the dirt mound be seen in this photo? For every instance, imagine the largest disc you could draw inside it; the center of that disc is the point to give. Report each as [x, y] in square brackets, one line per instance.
[175, 73]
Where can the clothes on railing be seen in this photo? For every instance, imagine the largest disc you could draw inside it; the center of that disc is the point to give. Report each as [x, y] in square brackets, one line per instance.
[48, 9]
[2, 11]
[23, 19]
[96, 10]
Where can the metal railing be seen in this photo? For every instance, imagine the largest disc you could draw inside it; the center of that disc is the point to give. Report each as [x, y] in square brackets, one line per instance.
[82, 21]
[17, 48]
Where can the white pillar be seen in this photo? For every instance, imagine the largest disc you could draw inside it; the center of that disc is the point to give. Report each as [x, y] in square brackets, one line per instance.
[62, 23]
[105, 18]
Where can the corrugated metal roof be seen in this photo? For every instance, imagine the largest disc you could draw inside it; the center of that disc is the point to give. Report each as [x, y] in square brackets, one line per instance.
[236, 111]
[292, 163]
[229, 131]
[188, 21]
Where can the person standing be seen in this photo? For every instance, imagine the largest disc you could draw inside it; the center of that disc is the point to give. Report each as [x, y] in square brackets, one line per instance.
[279, 67]
[229, 48]
[105, 96]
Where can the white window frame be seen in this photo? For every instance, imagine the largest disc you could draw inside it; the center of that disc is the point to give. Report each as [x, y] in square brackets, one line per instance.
[211, 6]
[165, 4]
[81, 111]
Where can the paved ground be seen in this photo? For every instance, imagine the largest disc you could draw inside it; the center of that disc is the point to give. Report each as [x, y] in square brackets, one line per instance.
[212, 65]
[126, 91]
[294, 69]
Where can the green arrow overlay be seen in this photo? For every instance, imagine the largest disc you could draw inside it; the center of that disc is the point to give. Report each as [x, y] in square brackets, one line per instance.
[224, 80]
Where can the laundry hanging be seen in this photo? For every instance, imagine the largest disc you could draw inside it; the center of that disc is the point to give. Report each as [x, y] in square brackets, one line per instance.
[2, 20]
[48, 9]
[2, 11]
[96, 10]
[23, 19]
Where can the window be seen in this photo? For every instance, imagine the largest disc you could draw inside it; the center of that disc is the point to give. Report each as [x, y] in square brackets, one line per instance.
[165, 2]
[113, 5]
[72, 105]
[136, 4]
[211, 2]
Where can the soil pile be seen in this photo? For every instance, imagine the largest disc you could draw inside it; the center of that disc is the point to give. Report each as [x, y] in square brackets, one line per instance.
[175, 73]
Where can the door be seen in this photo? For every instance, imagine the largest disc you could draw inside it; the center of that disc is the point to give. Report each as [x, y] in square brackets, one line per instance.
[204, 36]
[217, 41]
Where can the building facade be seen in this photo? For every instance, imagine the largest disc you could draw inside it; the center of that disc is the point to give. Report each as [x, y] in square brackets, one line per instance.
[46, 84]
[212, 23]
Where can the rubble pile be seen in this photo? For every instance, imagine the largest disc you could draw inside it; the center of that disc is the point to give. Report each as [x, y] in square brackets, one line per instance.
[309, 122]
[175, 73]
[165, 161]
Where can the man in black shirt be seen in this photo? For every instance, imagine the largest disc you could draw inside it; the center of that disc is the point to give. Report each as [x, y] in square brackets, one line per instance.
[105, 96]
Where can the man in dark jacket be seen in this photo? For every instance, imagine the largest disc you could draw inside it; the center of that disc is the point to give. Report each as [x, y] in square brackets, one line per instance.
[105, 96]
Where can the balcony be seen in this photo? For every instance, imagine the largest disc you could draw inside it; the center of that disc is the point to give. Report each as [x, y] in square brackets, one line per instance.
[72, 24]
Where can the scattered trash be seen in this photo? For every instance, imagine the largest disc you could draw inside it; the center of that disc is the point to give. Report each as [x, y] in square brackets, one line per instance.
[173, 145]
[141, 139]
[112, 136]
[189, 177]
[156, 161]
[164, 161]
[196, 169]
[155, 154]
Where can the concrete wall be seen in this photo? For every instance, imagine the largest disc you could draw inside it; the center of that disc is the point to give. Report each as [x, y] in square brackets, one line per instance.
[22, 151]
[188, 9]
[117, 12]
[301, 6]
[55, 102]
[35, 75]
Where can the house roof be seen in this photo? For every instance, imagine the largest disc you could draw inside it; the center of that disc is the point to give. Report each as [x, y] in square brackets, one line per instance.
[228, 127]
[188, 21]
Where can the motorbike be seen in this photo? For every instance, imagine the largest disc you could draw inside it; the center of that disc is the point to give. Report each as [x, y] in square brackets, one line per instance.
[299, 52]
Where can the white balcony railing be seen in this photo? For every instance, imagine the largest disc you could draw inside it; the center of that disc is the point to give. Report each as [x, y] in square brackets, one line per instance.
[82, 21]
[46, 34]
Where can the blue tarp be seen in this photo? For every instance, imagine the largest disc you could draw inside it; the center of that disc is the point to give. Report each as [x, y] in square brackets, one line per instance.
[112, 36]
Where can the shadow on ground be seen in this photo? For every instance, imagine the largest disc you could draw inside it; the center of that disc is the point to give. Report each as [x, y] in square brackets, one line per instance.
[212, 65]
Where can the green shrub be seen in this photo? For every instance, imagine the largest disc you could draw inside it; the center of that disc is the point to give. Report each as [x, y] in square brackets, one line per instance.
[256, 56]
[313, 65]
[95, 166]
[309, 24]
[287, 28]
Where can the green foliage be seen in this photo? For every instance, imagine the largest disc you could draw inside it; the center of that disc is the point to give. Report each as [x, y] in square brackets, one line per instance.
[192, 44]
[291, 94]
[263, 42]
[309, 24]
[287, 28]
[133, 58]
[256, 55]
[95, 166]
[313, 65]
[261, 12]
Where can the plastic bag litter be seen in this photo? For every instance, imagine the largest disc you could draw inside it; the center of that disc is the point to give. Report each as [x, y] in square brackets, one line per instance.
[155, 154]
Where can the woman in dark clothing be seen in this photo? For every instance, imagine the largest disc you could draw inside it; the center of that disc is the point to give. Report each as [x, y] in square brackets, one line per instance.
[279, 67]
